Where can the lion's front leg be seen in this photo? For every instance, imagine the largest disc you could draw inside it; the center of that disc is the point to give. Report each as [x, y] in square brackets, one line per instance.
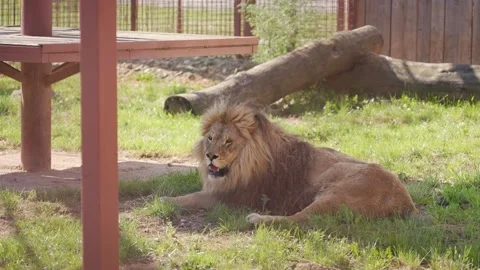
[324, 205]
[195, 200]
[255, 218]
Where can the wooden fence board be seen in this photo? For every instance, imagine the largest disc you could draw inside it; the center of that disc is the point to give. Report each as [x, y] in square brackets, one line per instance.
[379, 15]
[424, 26]
[458, 31]
[404, 29]
[425, 30]
[398, 19]
[476, 33]
[437, 32]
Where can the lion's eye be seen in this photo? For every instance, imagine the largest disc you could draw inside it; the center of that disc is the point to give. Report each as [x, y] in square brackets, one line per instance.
[209, 138]
[228, 142]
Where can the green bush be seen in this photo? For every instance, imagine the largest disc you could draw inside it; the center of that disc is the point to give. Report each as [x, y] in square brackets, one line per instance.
[285, 25]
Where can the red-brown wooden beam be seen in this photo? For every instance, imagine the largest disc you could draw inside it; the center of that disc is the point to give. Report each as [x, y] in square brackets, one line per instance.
[352, 14]
[11, 72]
[62, 72]
[179, 16]
[237, 18]
[247, 28]
[133, 14]
[99, 134]
[36, 108]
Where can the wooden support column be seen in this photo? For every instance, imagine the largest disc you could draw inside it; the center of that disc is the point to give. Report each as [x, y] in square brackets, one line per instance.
[99, 134]
[237, 18]
[340, 15]
[36, 93]
[247, 28]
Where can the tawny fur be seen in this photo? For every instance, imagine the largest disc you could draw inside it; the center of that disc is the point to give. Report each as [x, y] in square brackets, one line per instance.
[270, 170]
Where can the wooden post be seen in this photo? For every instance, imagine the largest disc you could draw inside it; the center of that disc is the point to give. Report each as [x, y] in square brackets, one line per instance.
[247, 28]
[36, 93]
[340, 15]
[237, 18]
[179, 17]
[99, 135]
[133, 14]
[352, 14]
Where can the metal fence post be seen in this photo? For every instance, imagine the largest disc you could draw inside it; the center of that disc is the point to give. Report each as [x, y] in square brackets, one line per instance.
[247, 28]
[133, 14]
[237, 18]
[179, 17]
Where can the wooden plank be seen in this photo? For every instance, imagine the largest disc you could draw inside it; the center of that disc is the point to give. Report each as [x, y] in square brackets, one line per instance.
[21, 54]
[424, 25]
[437, 32]
[458, 32]
[99, 135]
[148, 54]
[147, 40]
[378, 14]
[404, 29]
[360, 6]
[160, 45]
[156, 53]
[476, 33]
[398, 21]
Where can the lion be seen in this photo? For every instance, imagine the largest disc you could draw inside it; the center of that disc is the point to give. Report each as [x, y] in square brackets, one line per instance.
[245, 160]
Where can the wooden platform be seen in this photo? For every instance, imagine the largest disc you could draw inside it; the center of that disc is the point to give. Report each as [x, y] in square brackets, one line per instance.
[64, 45]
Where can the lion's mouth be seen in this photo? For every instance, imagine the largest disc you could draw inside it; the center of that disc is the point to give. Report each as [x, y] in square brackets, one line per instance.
[217, 172]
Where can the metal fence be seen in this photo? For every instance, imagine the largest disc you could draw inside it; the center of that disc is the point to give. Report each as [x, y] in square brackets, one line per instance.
[217, 17]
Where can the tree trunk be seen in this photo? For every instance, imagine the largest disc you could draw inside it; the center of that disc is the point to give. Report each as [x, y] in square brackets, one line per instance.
[291, 72]
[383, 75]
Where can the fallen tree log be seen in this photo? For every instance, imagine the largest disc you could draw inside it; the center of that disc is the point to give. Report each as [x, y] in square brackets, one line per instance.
[382, 75]
[286, 74]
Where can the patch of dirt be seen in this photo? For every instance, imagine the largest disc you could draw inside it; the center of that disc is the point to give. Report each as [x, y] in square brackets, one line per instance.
[310, 266]
[201, 69]
[66, 170]
[6, 228]
[140, 266]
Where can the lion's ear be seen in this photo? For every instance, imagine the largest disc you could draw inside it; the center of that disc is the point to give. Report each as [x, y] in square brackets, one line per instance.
[261, 121]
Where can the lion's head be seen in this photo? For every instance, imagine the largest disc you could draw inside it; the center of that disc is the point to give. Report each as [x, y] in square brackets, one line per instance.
[233, 144]
[244, 158]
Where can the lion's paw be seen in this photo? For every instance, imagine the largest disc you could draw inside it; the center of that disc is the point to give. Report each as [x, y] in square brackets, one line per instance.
[168, 199]
[254, 218]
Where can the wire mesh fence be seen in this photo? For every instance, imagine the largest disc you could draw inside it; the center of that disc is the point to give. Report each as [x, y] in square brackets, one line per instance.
[217, 17]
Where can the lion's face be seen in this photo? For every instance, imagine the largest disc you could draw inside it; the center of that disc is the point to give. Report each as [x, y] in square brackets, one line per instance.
[221, 145]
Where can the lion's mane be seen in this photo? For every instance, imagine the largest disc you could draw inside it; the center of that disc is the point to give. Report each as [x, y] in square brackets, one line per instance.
[270, 173]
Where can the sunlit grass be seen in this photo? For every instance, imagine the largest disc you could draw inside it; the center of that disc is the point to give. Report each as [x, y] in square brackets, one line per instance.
[432, 146]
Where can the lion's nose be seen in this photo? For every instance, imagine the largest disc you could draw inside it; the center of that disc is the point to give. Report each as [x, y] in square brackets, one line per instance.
[211, 156]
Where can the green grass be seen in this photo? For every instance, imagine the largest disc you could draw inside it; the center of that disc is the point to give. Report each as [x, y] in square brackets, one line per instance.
[227, 219]
[433, 146]
[46, 233]
[161, 208]
[143, 127]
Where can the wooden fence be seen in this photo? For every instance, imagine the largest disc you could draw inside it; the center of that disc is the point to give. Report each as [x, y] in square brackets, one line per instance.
[425, 30]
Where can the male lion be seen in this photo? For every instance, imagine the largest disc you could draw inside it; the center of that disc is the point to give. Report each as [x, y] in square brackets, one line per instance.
[246, 160]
